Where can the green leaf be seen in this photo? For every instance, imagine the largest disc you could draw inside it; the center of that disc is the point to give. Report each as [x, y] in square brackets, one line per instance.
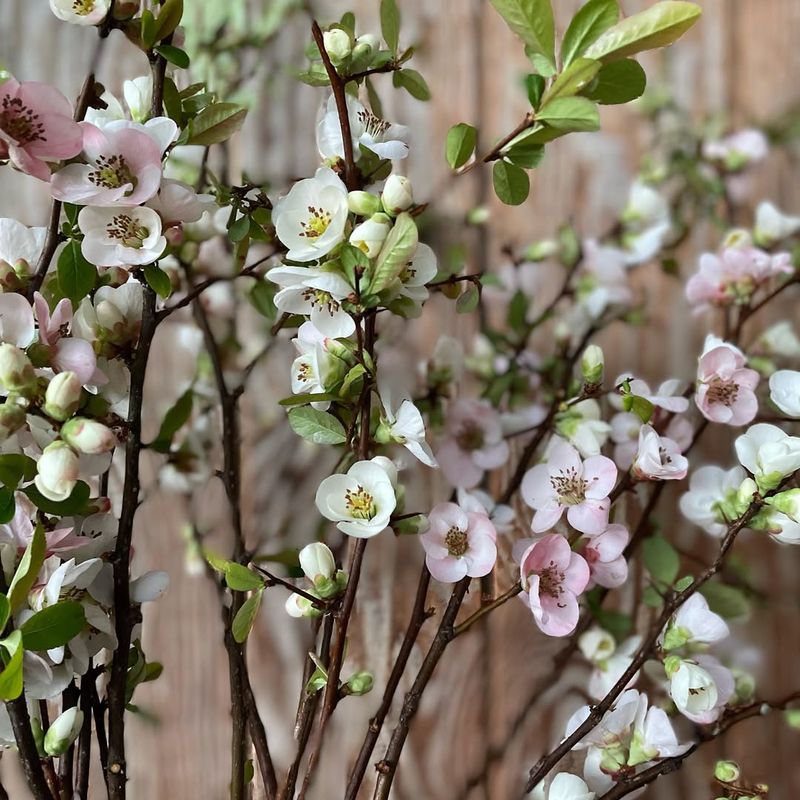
[640, 406]
[618, 82]
[318, 427]
[460, 144]
[147, 29]
[216, 123]
[53, 626]
[74, 504]
[169, 17]
[412, 82]
[246, 616]
[28, 569]
[353, 375]
[397, 251]
[305, 399]
[15, 467]
[517, 311]
[239, 229]
[11, 676]
[595, 17]
[468, 300]
[240, 578]
[174, 420]
[174, 55]
[524, 154]
[158, 280]
[76, 276]
[651, 598]
[262, 296]
[511, 184]
[725, 600]
[579, 74]
[8, 506]
[532, 21]
[534, 86]
[570, 114]
[5, 612]
[661, 559]
[390, 24]
[659, 25]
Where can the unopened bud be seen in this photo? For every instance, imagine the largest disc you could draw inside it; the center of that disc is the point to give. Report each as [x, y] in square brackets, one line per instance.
[9, 280]
[370, 235]
[338, 45]
[672, 664]
[360, 683]
[63, 396]
[57, 471]
[538, 251]
[363, 203]
[364, 49]
[317, 561]
[592, 363]
[727, 771]
[597, 645]
[63, 732]
[88, 436]
[12, 418]
[478, 215]
[16, 370]
[397, 194]
[299, 606]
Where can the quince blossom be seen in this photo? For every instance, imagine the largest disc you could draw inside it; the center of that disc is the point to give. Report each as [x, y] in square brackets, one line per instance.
[699, 687]
[83, 12]
[118, 237]
[563, 786]
[768, 453]
[710, 501]
[784, 391]
[725, 387]
[402, 422]
[603, 554]
[658, 458]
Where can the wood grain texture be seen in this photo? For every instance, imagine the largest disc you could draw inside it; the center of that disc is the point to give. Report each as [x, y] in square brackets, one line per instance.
[741, 61]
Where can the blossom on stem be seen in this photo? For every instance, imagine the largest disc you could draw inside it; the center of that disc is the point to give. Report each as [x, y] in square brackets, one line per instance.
[57, 471]
[772, 225]
[710, 501]
[80, 12]
[694, 623]
[725, 387]
[738, 149]
[119, 237]
[699, 687]
[458, 543]
[768, 453]
[16, 320]
[784, 391]
[361, 501]
[567, 483]
[563, 786]
[658, 458]
[401, 422]
[603, 554]
[552, 578]
[36, 127]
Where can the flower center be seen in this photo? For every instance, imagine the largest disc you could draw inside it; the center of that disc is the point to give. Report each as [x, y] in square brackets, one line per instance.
[316, 224]
[360, 503]
[407, 274]
[723, 392]
[128, 231]
[569, 486]
[112, 172]
[455, 540]
[550, 580]
[470, 436]
[20, 122]
[304, 372]
[321, 299]
[83, 7]
[374, 126]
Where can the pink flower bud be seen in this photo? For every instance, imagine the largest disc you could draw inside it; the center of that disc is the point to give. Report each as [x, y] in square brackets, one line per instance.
[88, 436]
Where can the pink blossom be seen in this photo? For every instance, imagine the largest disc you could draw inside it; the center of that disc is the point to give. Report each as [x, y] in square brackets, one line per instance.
[564, 481]
[603, 554]
[732, 276]
[725, 387]
[553, 577]
[474, 443]
[458, 543]
[123, 169]
[36, 126]
[667, 397]
[658, 458]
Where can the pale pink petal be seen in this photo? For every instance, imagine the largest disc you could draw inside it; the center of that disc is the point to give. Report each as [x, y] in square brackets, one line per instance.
[590, 517]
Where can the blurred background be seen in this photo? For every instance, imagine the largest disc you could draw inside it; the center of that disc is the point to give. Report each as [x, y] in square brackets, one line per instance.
[740, 64]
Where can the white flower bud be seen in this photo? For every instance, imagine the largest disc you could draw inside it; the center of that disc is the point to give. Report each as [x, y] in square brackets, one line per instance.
[108, 315]
[298, 606]
[12, 418]
[57, 471]
[365, 46]
[16, 370]
[592, 363]
[88, 436]
[363, 203]
[338, 45]
[597, 645]
[370, 235]
[316, 560]
[62, 396]
[63, 732]
[397, 195]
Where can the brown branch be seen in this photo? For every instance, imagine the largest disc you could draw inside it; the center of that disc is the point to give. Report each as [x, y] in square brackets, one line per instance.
[464, 626]
[29, 755]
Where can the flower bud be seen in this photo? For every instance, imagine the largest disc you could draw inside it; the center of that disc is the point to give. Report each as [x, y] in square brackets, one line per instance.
[672, 664]
[592, 363]
[478, 215]
[363, 203]
[88, 436]
[317, 561]
[9, 280]
[63, 396]
[337, 45]
[12, 418]
[539, 251]
[63, 732]
[727, 771]
[597, 645]
[16, 370]
[57, 471]
[397, 195]
[360, 683]
[365, 47]
[298, 606]
[108, 315]
[369, 236]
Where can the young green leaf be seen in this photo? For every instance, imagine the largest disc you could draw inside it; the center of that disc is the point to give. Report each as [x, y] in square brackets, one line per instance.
[390, 24]
[460, 144]
[169, 17]
[468, 300]
[593, 19]
[76, 276]
[14, 467]
[75, 504]
[28, 569]
[216, 123]
[661, 560]
[246, 616]
[5, 611]
[158, 280]
[579, 74]
[318, 427]
[53, 626]
[525, 154]
[11, 676]
[618, 82]
[532, 21]
[241, 579]
[511, 183]
[174, 55]
[397, 250]
[727, 601]
[659, 25]
[534, 86]
[570, 114]
[174, 420]
[412, 82]
[8, 505]
[262, 296]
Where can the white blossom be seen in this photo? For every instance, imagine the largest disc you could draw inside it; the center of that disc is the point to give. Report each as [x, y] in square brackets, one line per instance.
[119, 237]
